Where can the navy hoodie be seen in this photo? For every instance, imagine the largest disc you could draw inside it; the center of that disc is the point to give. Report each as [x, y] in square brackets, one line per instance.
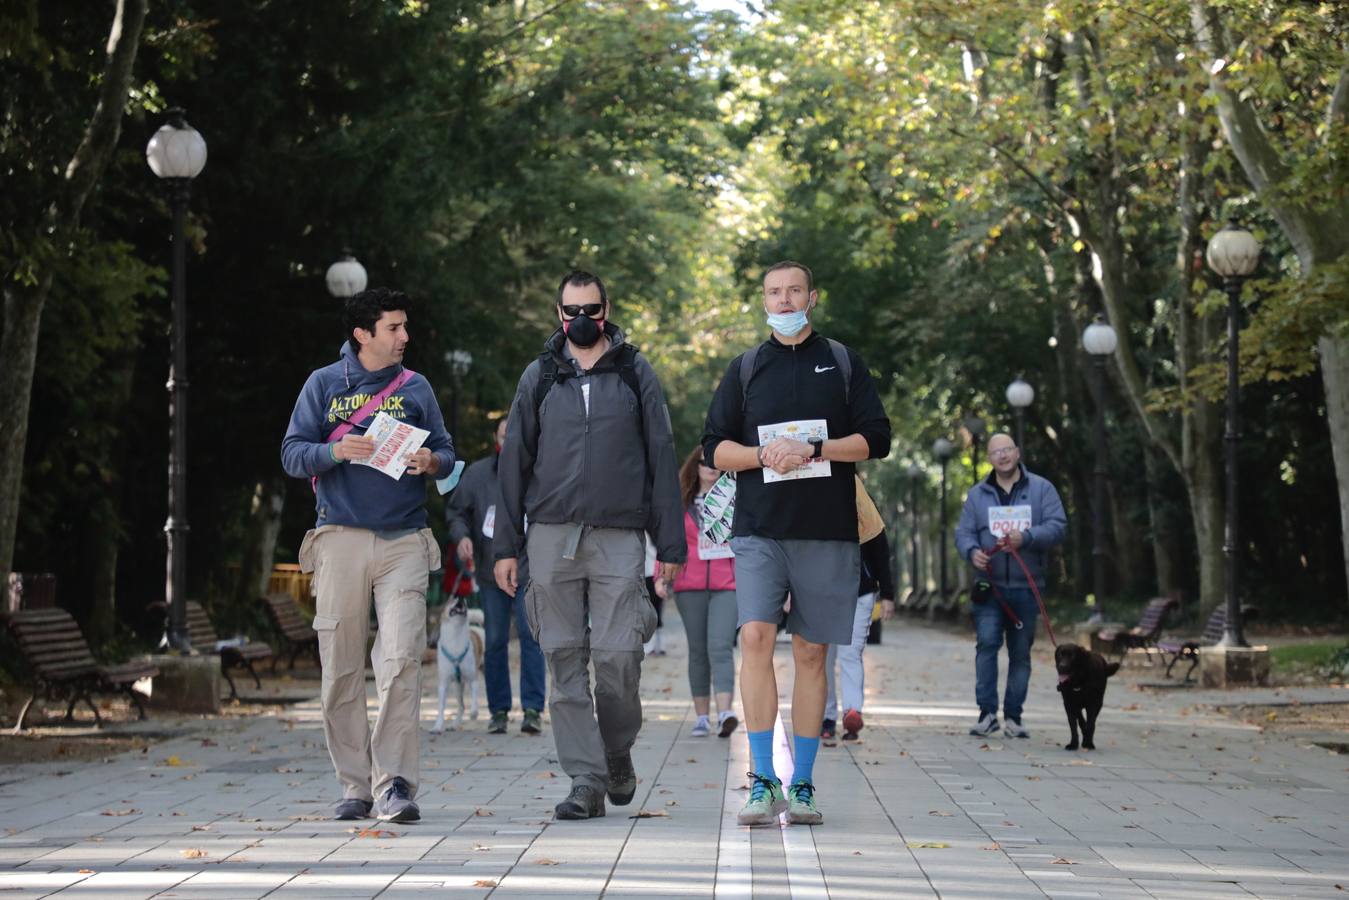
[359, 495]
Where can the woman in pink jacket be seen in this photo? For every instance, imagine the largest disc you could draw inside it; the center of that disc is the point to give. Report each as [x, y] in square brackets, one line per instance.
[705, 595]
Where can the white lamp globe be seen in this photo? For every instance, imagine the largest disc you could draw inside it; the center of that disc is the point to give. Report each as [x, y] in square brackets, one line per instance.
[1099, 339]
[943, 449]
[1233, 252]
[1020, 394]
[346, 277]
[176, 150]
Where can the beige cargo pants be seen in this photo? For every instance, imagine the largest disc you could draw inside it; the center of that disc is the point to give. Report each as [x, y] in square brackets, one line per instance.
[350, 565]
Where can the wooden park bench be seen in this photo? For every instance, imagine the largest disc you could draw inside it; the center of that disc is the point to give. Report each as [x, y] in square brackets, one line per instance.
[1145, 634]
[292, 627]
[61, 663]
[205, 640]
[1212, 634]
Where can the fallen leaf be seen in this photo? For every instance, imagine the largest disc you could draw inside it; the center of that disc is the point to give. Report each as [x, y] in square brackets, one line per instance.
[546, 862]
[309, 817]
[992, 847]
[482, 812]
[938, 812]
[91, 872]
[1032, 777]
[650, 814]
[201, 827]
[287, 770]
[545, 774]
[480, 848]
[175, 760]
[671, 802]
[373, 833]
[129, 811]
[857, 853]
[1059, 861]
[484, 882]
[207, 742]
[926, 845]
[193, 853]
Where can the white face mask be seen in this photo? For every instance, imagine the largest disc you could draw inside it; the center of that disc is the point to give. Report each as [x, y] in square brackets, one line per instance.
[789, 324]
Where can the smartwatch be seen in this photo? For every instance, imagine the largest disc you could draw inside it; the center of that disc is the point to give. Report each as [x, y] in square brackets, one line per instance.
[816, 448]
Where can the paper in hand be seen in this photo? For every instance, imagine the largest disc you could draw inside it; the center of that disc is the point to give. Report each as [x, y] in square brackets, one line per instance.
[394, 440]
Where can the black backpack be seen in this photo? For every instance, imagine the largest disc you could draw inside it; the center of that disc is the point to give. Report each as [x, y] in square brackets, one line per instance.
[752, 356]
[624, 365]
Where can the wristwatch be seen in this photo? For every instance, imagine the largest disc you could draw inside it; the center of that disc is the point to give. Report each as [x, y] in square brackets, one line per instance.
[816, 447]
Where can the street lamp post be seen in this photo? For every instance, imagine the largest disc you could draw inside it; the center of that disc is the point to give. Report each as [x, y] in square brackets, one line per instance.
[346, 277]
[1233, 254]
[943, 450]
[975, 426]
[1099, 340]
[177, 154]
[1020, 395]
[915, 474]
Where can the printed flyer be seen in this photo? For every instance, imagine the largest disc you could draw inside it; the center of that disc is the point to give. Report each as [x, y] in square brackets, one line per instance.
[393, 441]
[801, 430]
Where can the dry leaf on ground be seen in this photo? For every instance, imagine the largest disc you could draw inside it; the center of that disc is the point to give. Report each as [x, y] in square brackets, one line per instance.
[650, 814]
[194, 853]
[129, 811]
[546, 862]
[927, 845]
[482, 812]
[485, 882]
[372, 833]
[91, 872]
[1060, 861]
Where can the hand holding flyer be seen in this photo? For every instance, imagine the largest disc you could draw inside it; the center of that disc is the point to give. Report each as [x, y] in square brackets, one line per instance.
[394, 441]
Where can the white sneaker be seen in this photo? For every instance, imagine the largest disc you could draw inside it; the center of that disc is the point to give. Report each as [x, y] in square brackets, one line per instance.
[1013, 728]
[987, 725]
[701, 728]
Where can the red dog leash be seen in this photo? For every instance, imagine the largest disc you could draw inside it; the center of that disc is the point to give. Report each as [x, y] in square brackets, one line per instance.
[1002, 546]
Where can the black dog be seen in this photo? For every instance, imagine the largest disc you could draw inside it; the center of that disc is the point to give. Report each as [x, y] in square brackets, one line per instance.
[1082, 676]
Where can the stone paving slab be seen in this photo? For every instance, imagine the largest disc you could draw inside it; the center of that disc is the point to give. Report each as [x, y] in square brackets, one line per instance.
[1178, 802]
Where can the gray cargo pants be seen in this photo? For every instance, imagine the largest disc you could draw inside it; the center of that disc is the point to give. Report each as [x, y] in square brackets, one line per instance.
[592, 607]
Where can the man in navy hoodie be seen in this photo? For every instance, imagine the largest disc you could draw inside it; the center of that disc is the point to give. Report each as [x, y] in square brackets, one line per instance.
[370, 538]
[1020, 506]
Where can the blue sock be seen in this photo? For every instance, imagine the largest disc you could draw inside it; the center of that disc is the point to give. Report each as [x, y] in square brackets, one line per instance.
[805, 748]
[761, 748]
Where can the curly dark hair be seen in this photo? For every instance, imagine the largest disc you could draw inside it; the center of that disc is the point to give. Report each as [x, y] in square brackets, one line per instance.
[364, 309]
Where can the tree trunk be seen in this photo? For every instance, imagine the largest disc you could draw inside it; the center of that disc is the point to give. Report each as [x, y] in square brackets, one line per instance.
[1163, 537]
[264, 524]
[24, 303]
[1334, 352]
[18, 348]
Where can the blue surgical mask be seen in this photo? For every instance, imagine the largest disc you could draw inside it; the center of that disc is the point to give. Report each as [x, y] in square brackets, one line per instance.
[788, 324]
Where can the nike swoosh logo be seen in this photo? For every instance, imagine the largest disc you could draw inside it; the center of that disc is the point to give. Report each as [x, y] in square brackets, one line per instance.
[819, 369]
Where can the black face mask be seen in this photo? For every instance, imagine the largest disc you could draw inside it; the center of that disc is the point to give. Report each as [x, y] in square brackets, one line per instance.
[583, 331]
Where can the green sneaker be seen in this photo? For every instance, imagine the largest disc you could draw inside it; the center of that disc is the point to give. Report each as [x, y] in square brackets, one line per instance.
[801, 804]
[533, 723]
[765, 802]
[498, 723]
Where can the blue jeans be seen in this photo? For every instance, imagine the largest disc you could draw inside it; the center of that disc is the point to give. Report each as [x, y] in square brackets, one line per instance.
[496, 615]
[991, 624]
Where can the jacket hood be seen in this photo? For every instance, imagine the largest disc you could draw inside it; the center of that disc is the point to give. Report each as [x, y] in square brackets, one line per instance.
[357, 374]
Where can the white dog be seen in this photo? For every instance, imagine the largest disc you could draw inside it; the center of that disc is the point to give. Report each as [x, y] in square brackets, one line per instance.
[459, 658]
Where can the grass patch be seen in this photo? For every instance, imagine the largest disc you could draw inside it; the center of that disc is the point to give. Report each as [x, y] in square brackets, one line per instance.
[1295, 659]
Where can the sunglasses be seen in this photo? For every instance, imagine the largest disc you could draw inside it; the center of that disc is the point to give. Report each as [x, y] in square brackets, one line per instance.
[571, 310]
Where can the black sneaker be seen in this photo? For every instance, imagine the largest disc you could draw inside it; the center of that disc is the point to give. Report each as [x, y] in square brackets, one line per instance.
[828, 730]
[622, 779]
[498, 723]
[533, 723]
[396, 805]
[584, 802]
[352, 808]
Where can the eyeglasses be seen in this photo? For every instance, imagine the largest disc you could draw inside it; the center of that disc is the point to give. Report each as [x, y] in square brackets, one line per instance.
[571, 310]
[1001, 452]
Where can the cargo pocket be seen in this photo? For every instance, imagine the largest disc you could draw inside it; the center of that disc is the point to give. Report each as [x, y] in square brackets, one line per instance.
[326, 628]
[646, 610]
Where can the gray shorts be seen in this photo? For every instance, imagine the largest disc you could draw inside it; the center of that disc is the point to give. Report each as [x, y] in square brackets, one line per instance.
[821, 575]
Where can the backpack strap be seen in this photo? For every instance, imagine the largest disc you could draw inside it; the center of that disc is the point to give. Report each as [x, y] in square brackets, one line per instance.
[751, 356]
[625, 365]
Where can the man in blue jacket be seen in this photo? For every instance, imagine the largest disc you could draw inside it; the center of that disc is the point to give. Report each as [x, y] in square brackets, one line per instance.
[1025, 509]
[370, 538]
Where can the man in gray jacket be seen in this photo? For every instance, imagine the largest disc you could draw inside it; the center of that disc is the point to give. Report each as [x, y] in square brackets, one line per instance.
[589, 461]
[1022, 508]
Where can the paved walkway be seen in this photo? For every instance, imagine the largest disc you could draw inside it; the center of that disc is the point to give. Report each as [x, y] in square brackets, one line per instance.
[1177, 802]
